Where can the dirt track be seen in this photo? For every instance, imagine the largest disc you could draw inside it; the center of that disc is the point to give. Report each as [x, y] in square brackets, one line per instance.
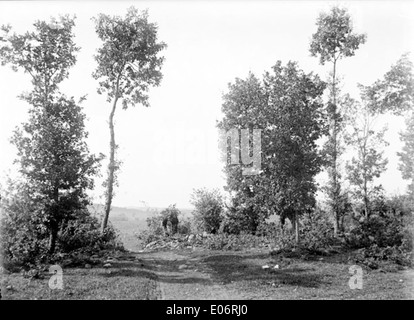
[200, 275]
[183, 278]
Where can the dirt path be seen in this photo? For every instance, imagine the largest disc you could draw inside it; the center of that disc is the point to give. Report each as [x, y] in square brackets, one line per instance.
[201, 275]
[183, 277]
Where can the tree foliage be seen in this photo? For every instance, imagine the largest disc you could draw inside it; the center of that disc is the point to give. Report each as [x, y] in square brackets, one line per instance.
[369, 162]
[287, 107]
[406, 156]
[52, 153]
[208, 209]
[128, 65]
[334, 40]
[46, 54]
[395, 92]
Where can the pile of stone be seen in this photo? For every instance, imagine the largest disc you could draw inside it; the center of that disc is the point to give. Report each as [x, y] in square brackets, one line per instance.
[177, 242]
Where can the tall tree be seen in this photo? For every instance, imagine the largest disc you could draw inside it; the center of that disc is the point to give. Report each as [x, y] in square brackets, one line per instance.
[395, 91]
[368, 142]
[394, 94]
[287, 107]
[407, 155]
[334, 40]
[128, 65]
[53, 156]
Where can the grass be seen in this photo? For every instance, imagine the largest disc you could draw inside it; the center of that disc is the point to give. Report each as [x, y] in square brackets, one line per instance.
[124, 280]
[298, 279]
[235, 272]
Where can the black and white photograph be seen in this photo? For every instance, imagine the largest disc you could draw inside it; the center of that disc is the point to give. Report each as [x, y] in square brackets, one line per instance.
[218, 151]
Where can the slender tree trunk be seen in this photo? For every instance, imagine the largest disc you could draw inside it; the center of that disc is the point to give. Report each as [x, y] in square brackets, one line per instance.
[335, 154]
[112, 164]
[366, 204]
[54, 224]
[111, 168]
[282, 224]
[53, 237]
[295, 226]
[296, 218]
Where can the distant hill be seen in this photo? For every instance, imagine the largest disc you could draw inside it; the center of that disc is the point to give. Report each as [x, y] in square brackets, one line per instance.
[133, 213]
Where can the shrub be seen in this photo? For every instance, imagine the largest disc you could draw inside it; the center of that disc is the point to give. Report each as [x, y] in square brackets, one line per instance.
[170, 219]
[386, 236]
[185, 226]
[154, 225]
[240, 219]
[155, 230]
[25, 239]
[208, 212]
[84, 232]
[382, 231]
[316, 232]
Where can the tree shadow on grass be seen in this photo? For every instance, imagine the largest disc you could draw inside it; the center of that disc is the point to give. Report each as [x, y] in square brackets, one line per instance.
[129, 273]
[168, 269]
[233, 268]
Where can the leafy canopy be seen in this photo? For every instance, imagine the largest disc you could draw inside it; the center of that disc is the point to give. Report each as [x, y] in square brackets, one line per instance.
[334, 38]
[128, 61]
[46, 54]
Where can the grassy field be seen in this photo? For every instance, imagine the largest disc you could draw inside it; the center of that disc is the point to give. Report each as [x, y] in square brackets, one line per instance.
[203, 274]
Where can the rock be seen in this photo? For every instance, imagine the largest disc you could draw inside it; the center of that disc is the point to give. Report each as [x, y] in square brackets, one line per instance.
[275, 252]
[151, 244]
[205, 234]
[191, 238]
[107, 265]
[32, 274]
[4, 271]
[88, 266]
[183, 266]
[265, 267]
[9, 287]
[276, 267]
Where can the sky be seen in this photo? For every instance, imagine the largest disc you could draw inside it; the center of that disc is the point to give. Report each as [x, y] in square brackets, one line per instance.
[171, 148]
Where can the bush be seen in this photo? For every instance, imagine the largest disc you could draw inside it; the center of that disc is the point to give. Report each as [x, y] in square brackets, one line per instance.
[185, 226]
[154, 225]
[240, 219]
[170, 217]
[155, 230]
[85, 233]
[386, 236]
[25, 239]
[208, 212]
[316, 232]
[381, 231]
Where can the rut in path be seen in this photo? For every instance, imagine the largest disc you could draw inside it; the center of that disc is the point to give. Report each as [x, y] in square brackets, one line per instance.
[184, 278]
